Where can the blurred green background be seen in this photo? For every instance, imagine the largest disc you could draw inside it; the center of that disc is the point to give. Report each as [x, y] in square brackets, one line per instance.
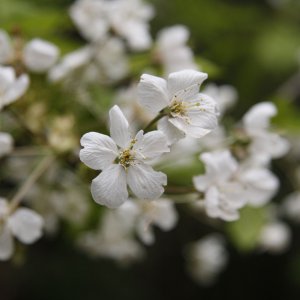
[251, 45]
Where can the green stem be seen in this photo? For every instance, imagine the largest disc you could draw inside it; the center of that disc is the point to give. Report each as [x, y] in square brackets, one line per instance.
[152, 122]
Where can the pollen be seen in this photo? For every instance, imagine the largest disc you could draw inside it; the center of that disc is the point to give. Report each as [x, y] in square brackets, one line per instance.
[178, 108]
[126, 158]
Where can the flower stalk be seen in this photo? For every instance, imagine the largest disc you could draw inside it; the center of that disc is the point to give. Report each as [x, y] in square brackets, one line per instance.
[44, 164]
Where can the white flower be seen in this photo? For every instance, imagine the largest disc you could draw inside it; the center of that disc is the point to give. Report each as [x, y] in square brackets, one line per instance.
[223, 194]
[40, 55]
[129, 18]
[160, 212]
[6, 143]
[111, 59]
[24, 224]
[123, 160]
[90, 16]
[172, 51]
[291, 206]
[11, 88]
[224, 95]
[189, 112]
[70, 63]
[6, 50]
[264, 145]
[260, 184]
[114, 238]
[207, 258]
[105, 62]
[275, 237]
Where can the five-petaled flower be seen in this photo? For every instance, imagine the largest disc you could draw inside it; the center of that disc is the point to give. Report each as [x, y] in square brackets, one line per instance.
[124, 159]
[187, 112]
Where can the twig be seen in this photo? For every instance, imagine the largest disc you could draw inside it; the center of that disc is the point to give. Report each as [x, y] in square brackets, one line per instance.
[34, 176]
[152, 122]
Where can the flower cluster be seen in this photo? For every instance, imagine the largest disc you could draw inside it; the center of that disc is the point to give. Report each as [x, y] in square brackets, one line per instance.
[169, 142]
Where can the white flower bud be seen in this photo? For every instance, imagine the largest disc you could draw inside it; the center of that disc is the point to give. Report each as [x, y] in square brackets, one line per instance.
[39, 55]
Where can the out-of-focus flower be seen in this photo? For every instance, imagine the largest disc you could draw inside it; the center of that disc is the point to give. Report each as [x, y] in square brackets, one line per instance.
[111, 59]
[160, 212]
[264, 145]
[228, 186]
[104, 62]
[11, 88]
[123, 160]
[114, 238]
[6, 50]
[291, 206]
[90, 16]
[127, 18]
[224, 195]
[6, 143]
[275, 237]
[260, 184]
[188, 111]
[206, 258]
[61, 136]
[172, 51]
[39, 55]
[224, 95]
[70, 63]
[127, 100]
[63, 199]
[24, 224]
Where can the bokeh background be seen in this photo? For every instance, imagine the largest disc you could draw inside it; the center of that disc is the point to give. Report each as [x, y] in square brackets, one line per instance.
[252, 45]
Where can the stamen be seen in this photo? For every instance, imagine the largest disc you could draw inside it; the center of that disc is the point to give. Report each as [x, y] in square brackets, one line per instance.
[126, 157]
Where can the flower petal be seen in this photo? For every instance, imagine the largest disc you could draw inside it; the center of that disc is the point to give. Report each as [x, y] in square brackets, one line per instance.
[220, 165]
[202, 182]
[188, 129]
[151, 144]
[153, 93]
[16, 90]
[109, 188]
[99, 150]
[119, 127]
[145, 232]
[217, 208]
[26, 225]
[6, 143]
[258, 117]
[184, 80]
[6, 49]
[172, 133]
[146, 183]
[260, 184]
[6, 243]
[165, 215]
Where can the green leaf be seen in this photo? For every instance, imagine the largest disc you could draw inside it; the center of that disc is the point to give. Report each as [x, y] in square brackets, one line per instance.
[245, 231]
[288, 117]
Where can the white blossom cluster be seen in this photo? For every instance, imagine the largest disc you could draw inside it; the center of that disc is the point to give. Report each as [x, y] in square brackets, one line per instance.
[161, 122]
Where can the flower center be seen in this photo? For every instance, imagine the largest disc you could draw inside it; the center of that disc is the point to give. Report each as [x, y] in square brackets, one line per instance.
[178, 108]
[126, 157]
